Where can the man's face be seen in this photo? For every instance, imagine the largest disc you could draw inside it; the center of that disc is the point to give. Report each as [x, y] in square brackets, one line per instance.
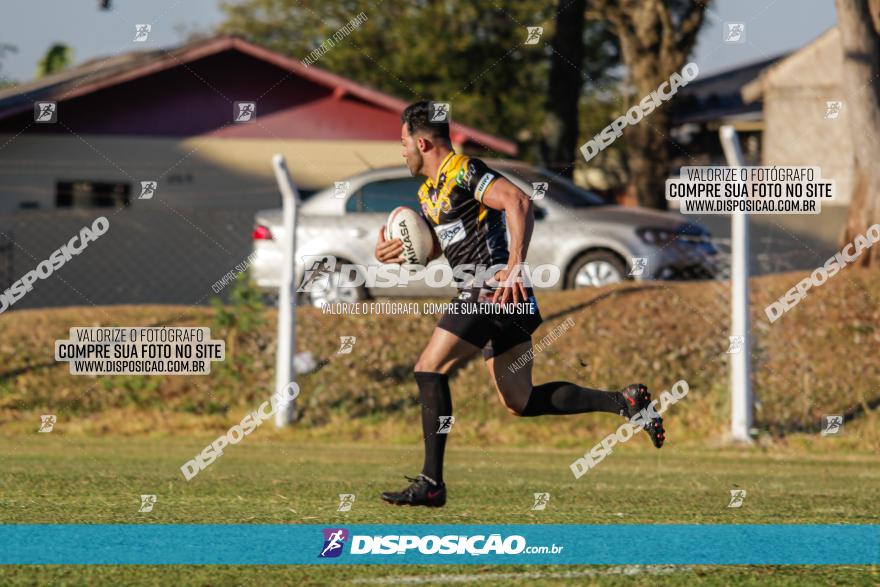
[411, 151]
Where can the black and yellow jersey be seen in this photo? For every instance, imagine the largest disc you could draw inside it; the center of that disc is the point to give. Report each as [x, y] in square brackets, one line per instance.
[469, 232]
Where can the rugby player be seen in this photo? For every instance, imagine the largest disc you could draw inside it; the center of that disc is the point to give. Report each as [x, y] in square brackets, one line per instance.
[468, 205]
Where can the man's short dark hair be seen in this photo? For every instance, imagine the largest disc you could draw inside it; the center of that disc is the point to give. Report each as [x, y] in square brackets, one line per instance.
[417, 117]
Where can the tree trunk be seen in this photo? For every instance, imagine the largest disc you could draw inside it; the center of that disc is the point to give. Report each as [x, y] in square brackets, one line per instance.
[560, 130]
[646, 142]
[656, 37]
[648, 160]
[860, 40]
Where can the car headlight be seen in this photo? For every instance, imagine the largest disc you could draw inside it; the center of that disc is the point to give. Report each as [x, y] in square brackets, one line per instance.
[655, 236]
[686, 234]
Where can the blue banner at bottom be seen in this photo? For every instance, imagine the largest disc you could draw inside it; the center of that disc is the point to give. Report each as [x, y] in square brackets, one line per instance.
[277, 544]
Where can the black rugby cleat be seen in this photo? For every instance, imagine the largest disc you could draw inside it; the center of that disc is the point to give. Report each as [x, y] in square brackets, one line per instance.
[422, 491]
[638, 398]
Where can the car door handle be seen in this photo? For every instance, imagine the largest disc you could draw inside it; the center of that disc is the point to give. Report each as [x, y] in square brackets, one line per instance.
[357, 232]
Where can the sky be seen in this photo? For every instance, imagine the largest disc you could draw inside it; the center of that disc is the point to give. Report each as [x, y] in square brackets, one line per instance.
[771, 27]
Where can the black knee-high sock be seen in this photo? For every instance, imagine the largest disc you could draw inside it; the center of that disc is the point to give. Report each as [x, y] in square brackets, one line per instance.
[436, 402]
[562, 397]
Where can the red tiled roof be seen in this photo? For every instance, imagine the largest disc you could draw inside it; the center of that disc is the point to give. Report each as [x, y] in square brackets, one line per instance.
[98, 74]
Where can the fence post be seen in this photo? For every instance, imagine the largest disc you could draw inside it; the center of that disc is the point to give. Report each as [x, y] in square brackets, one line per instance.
[285, 370]
[740, 362]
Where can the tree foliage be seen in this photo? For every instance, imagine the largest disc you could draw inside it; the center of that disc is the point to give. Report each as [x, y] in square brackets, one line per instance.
[582, 54]
[467, 53]
[57, 58]
[4, 49]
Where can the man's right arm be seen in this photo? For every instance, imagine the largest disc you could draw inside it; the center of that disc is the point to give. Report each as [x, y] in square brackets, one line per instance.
[436, 249]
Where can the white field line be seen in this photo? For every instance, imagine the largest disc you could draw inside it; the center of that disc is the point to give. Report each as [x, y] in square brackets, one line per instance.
[482, 577]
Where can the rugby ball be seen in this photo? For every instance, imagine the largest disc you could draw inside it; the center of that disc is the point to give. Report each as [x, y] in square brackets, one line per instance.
[412, 230]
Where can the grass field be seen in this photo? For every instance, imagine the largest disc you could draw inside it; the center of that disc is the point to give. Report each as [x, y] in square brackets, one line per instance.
[56, 479]
[818, 360]
[118, 437]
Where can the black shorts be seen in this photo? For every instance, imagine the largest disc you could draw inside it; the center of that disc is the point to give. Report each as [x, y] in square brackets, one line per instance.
[474, 318]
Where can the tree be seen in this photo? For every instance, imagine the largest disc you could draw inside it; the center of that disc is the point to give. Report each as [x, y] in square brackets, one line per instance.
[569, 73]
[472, 54]
[4, 49]
[656, 38]
[860, 37]
[56, 59]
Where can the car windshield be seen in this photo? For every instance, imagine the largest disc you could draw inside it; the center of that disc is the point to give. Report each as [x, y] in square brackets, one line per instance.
[558, 188]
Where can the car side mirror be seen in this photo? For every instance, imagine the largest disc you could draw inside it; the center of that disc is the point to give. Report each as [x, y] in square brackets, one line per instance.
[540, 213]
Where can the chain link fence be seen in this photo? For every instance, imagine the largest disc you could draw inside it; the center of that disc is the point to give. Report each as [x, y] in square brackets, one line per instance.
[777, 245]
[165, 256]
[769, 254]
[176, 255]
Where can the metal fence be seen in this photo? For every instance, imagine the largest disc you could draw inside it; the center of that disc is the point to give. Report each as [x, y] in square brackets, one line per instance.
[768, 254]
[166, 256]
[175, 255]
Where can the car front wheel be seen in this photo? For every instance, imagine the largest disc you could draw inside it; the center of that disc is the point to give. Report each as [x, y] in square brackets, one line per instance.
[595, 269]
[327, 290]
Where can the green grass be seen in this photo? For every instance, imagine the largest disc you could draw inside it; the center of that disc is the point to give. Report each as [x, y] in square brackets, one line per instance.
[119, 437]
[816, 360]
[51, 478]
[424, 575]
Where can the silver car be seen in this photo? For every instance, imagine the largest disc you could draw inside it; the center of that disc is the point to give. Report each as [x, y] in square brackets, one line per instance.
[591, 242]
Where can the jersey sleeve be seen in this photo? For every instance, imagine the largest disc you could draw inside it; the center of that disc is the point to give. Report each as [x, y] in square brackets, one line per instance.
[421, 196]
[479, 178]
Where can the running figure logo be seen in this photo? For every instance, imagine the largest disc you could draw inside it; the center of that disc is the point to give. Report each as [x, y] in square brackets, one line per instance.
[148, 188]
[47, 422]
[334, 539]
[736, 344]
[639, 264]
[245, 112]
[147, 503]
[737, 497]
[439, 111]
[319, 269]
[346, 500]
[346, 345]
[446, 423]
[534, 34]
[832, 109]
[141, 32]
[541, 501]
[340, 189]
[46, 112]
[735, 32]
[539, 189]
[831, 425]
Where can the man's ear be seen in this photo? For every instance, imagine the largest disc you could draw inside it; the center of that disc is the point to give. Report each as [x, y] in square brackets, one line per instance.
[423, 144]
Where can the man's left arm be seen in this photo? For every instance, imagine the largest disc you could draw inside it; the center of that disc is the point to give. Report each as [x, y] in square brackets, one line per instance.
[519, 213]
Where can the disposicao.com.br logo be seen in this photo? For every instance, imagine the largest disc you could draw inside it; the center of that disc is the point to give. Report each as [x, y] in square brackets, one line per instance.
[452, 544]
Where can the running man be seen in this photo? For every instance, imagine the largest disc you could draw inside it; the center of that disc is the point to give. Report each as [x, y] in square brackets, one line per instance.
[468, 205]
